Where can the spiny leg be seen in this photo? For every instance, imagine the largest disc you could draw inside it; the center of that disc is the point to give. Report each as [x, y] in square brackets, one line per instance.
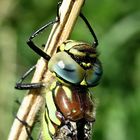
[22, 86]
[36, 48]
[46, 25]
[95, 42]
[27, 127]
[32, 45]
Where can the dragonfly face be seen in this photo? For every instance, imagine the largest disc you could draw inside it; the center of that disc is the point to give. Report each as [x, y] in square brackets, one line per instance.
[76, 63]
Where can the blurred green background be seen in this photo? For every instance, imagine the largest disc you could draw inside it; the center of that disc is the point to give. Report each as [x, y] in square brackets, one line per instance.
[117, 25]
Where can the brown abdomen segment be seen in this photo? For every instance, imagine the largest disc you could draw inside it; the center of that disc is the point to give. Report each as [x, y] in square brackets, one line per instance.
[74, 103]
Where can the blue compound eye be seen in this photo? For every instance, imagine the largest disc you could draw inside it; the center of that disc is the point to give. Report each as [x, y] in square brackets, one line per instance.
[66, 68]
[93, 75]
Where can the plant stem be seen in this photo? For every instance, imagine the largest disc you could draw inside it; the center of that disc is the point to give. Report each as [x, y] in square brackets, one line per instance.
[33, 101]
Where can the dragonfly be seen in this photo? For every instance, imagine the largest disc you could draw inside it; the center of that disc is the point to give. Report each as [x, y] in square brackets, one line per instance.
[69, 112]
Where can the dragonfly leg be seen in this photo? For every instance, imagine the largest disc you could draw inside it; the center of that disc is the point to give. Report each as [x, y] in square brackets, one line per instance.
[23, 86]
[27, 127]
[95, 42]
[33, 46]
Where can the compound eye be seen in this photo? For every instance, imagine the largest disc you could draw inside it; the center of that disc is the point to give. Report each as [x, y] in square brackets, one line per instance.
[66, 68]
[93, 75]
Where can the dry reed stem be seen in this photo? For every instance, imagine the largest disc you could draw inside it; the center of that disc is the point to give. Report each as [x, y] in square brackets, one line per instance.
[33, 101]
